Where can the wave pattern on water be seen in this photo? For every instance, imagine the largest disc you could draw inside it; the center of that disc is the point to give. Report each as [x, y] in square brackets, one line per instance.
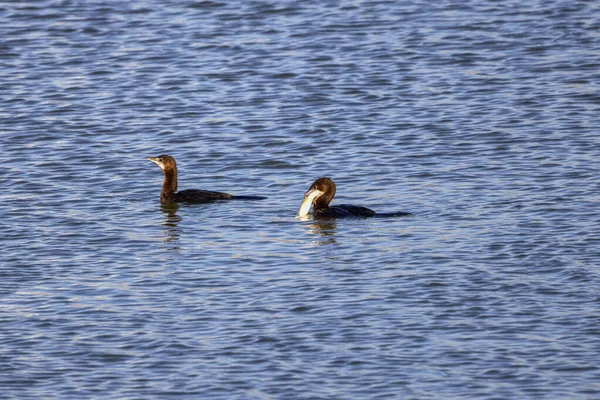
[481, 118]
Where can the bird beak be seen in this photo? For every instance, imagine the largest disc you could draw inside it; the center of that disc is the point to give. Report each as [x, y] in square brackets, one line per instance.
[309, 197]
[154, 160]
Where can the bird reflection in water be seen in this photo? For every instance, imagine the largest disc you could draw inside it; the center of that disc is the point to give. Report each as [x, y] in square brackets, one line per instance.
[325, 228]
[171, 222]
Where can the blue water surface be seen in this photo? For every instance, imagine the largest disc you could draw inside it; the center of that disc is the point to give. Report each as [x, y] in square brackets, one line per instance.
[482, 118]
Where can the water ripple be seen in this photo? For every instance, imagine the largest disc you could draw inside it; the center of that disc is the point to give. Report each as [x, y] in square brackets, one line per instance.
[481, 118]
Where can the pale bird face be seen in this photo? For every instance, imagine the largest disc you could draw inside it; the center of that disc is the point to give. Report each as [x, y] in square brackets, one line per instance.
[162, 161]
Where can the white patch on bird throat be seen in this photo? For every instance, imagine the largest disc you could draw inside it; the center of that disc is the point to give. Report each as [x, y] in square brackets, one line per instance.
[307, 202]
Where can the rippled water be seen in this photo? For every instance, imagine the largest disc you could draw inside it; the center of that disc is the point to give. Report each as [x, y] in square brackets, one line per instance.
[480, 117]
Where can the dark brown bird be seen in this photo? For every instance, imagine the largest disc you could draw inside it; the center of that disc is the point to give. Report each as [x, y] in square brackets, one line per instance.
[321, 193]
[169, 193]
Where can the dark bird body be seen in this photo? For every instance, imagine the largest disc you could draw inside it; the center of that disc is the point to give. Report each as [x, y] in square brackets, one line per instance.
[321, 193]
[169, 193]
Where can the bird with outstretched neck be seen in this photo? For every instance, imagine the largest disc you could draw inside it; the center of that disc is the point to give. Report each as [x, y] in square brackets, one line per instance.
[320, 194]
[169, 193]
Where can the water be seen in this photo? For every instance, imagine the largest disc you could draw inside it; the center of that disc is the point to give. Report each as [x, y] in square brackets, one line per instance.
[482, 118]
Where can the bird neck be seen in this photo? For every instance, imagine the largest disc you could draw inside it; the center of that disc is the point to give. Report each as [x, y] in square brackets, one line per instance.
[321, 204]
[169, 185]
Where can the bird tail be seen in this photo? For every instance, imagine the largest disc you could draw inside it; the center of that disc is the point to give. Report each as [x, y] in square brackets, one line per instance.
[393, 214]
[248, 198]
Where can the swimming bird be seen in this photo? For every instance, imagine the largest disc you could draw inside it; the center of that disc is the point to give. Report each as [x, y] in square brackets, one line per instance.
[169, 193]
[320, 194]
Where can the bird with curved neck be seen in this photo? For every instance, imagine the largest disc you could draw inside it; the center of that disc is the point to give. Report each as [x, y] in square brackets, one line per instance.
[320, 194]
[169, 193]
